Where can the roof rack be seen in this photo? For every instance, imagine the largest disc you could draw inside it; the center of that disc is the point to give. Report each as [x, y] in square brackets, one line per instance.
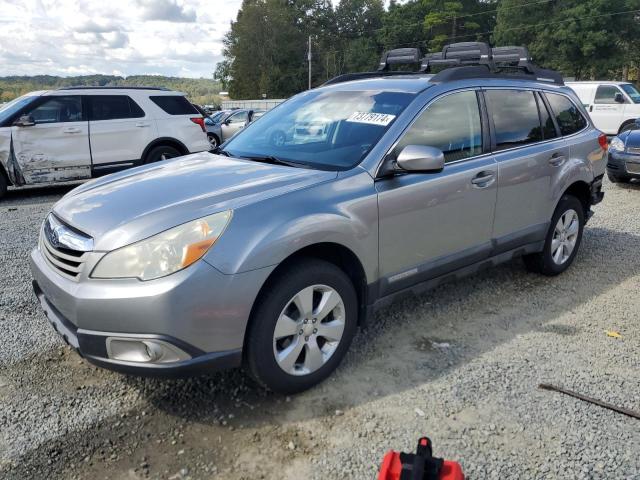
[95, 87]
[461, 61]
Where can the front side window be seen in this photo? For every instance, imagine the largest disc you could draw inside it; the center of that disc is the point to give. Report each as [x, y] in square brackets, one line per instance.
[240, 117]
[606, 94]
[324, 129]
[58, 110]
[632, 92]
[113, 107]
[515, 117]
[452, 124]
[569, 118]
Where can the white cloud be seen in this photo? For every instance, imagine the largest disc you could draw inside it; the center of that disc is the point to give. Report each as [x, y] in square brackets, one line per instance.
[77, 37]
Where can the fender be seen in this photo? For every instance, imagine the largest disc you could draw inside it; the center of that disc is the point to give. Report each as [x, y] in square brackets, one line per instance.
[343, 211]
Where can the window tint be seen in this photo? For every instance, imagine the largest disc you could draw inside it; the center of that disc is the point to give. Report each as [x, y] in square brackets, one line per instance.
[548, 128]
[632, 92]
[240, 117]
[606, 94]
[174, 104]
[451, 124]
[515, 117]
[569, 118]
[58, 109]
[111, 107]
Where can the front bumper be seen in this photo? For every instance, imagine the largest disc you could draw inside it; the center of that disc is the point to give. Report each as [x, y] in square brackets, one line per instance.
[199, 311]
[623, 165]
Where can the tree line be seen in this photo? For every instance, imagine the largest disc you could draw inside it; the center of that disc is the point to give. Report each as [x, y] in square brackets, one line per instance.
[265, 50]
[199, 90]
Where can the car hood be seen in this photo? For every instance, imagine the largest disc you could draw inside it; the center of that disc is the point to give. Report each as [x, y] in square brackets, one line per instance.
[631, 138]
[128, 206]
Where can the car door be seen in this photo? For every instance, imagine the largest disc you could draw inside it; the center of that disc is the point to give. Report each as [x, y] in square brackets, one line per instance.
[119, 130]
[434, 223]
[528, 152]
[233, 124]
[607, 110]
[54, 144]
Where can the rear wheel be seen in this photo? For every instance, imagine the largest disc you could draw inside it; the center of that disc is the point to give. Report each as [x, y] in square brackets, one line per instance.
[213, 140]
[563, 239]
[302, 327]
[162, 152]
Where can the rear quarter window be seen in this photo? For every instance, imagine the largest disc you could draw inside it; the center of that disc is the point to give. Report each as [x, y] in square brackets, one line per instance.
[174, 104]
[568, 116]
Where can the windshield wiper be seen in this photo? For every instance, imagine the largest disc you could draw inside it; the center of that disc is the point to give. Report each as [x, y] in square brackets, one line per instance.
[277, 161]
[219, 151]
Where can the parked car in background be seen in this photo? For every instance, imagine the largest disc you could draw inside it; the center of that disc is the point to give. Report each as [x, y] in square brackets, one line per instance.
[271, 255]
[227, 125]
[78, 133]
[613, 106]
[624, 156]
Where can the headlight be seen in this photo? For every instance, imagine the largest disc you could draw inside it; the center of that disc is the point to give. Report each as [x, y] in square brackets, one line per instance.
[616, 145]
[166, 252]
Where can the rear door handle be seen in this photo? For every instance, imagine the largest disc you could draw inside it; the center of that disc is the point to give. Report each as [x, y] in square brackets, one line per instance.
[483, 179]
[71, 130]
[557, 159]
[142, 124]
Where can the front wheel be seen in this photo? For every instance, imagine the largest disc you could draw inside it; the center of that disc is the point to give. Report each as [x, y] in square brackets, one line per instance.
[3, 185]
[563, 239]
[302, 327]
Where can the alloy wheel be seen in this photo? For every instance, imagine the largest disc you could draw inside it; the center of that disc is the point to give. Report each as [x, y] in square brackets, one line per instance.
[565, 236]
[309, 330]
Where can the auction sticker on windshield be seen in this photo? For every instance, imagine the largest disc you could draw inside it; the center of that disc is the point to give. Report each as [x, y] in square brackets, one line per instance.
[382, 119]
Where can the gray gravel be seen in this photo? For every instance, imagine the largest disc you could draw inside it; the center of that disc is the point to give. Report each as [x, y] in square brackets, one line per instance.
[461, 364]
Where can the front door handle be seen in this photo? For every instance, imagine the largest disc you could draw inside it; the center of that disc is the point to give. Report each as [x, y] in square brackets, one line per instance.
[591, 108]
[71, 130]
[557, 159]
[483, 179]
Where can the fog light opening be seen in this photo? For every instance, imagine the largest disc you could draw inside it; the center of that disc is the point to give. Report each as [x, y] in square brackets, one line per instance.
[143, 350]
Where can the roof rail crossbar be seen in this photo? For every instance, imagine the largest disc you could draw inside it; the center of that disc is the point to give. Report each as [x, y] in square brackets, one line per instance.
[399, 56]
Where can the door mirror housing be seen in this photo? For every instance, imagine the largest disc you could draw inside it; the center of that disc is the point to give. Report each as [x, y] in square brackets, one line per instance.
[618, 98]
[25, 121]
[420, 158]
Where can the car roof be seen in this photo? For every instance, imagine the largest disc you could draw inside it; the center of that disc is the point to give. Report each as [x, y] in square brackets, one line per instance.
[111, 91]
[596, 82]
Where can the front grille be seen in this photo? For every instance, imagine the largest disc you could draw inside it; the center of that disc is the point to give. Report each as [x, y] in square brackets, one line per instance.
[633, 167]
[66, 262]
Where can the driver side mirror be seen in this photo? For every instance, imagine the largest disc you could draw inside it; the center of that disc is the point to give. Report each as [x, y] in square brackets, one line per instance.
[420, 158]
[227, 122]
[25, 121]
[618, 98]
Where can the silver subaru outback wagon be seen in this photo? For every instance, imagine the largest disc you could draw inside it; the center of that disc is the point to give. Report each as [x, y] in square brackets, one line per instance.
[271, 251]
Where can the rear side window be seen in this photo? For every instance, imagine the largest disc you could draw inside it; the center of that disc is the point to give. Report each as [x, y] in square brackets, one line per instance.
[567, 114]
[451, 124]
[606, 94]
[113, 107]
[548, 128]
[174, 104]
[515, 117]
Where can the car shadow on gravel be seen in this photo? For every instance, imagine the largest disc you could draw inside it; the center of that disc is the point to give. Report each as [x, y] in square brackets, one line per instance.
[36, 194]
[408, 344]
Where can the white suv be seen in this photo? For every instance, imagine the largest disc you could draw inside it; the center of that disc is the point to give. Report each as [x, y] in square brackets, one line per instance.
[613, 106]
[79, 133]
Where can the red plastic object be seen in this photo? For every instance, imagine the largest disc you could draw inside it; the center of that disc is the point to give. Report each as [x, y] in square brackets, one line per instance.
[393, 465]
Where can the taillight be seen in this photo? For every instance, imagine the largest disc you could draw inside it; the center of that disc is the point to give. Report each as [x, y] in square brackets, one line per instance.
[604, 143]
[199, 121]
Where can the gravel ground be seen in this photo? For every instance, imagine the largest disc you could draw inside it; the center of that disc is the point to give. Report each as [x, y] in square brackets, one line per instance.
[461, 363]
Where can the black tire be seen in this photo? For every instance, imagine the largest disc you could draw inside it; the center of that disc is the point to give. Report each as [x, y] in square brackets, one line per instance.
[3, 185]
[213, 140]
[543, 262]
[161, 152]
[260, 357]
[618, 178]
[628, 126]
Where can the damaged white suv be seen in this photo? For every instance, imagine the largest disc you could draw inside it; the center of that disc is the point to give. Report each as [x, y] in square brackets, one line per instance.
[78, 133]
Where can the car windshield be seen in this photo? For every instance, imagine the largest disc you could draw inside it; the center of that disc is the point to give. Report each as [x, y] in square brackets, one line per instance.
[632, 92]
[329, 130]
[13, 106]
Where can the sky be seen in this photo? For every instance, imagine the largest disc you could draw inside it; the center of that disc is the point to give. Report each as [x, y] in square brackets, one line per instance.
[181, 38]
